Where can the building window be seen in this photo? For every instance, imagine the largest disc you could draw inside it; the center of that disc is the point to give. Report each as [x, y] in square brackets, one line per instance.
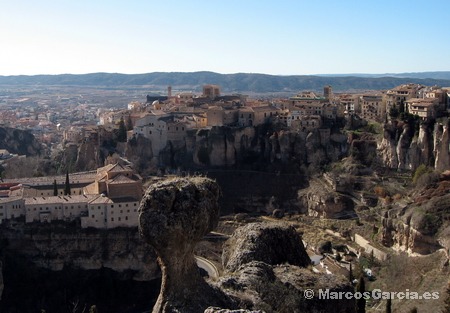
[120, 219]
[126, 218]
[93, 216]
[112, 219]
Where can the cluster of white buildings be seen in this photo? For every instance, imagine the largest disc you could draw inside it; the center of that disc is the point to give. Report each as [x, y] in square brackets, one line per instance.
[106, 198]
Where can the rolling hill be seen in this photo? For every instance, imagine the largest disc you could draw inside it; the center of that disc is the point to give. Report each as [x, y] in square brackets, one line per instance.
[233, 83]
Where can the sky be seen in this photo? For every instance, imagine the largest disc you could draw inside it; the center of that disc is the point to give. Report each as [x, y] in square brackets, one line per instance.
[282, 37]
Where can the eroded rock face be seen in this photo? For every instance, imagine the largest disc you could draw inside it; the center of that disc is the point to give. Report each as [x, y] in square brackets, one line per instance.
[1, 281]
[174, 215]
[320, 200]
[414, 229]
[401, 149]
[58, 246]
[269, 243]
[219, 310]
[19, 141]
[266, 264]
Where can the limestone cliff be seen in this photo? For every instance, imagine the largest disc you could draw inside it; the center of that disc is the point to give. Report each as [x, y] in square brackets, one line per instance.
[59, 245]
[250, 146]
[139, 151]
[321, 200]
[422, 226]
[267, 265]
[61, 267]
[401, 148]
[88, 157]
[19, 142]
[1, 281]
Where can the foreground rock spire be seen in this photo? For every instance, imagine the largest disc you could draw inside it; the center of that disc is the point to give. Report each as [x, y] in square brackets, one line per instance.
[174, 215]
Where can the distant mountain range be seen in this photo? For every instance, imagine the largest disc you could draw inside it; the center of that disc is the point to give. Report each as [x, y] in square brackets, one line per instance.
[234, 83]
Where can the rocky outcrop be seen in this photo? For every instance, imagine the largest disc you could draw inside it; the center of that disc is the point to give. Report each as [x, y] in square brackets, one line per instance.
[421, 227]
[272, 244]
[59, 265]
[401, 148]
[19, 142]
[441, 147]
[139, 151]
[320, 200]
[264, 144]
[259, 259]
[1, 280]
[174, 216]
[88, 157]
[219, 310]
[58, 246]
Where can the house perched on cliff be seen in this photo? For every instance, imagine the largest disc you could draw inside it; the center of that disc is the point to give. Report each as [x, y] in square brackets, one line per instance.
[425, 109]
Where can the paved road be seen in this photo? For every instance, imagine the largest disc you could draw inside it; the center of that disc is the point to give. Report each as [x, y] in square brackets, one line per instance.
[208, 266]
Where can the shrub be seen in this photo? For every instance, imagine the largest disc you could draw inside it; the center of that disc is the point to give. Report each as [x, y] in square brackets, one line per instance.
[380, 191]
[420, 170]
[430, 223]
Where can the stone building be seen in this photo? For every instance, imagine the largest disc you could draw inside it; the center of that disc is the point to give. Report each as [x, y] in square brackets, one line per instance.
[426, 108]
[397, 96]
[372, 107]
[110, 200]
[211, 91]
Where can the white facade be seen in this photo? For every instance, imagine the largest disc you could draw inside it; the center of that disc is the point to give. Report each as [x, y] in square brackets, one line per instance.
[11, 207]
[106, 213]
[47, 209]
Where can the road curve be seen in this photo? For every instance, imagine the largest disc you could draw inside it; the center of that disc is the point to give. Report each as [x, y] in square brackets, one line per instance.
[208, 266]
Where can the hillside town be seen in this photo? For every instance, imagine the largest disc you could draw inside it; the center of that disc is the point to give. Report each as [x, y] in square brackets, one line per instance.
[109, 196]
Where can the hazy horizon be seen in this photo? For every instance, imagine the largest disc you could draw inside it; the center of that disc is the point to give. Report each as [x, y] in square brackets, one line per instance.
[269, 74]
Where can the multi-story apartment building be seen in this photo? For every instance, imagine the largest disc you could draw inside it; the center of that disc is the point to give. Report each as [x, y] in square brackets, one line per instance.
[307, 123]
[372, 107]
[350, 104]
[425, 108]
[397, 96]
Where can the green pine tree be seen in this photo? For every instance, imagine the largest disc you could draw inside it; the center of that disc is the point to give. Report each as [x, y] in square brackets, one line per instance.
[55, 188]
[389, 306]
[350, 273]
[67, 185]
[129, 123]
[361, 302]
[447, 301]
[122, 133]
